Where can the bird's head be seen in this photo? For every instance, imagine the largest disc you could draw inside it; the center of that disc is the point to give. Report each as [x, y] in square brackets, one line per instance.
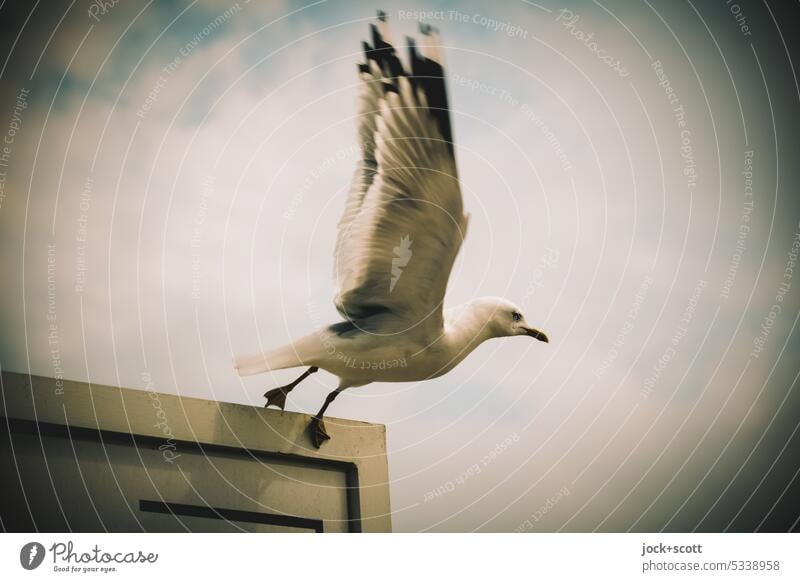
[504, 319]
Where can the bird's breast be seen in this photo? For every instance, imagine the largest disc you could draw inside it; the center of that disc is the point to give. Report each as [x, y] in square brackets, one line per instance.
[394, 360]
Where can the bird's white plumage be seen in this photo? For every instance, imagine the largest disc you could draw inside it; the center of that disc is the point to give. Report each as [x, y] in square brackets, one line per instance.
[402, 227]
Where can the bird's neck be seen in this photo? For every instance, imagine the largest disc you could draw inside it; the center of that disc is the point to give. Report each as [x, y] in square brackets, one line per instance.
[466, 327]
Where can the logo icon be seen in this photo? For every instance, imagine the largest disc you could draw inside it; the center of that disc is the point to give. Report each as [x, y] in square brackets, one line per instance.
[402, 254]
[31, 555]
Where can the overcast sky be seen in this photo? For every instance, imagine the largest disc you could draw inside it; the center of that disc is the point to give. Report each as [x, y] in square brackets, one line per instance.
[178, 170]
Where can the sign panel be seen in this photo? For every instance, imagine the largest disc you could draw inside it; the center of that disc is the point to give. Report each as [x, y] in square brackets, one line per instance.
[68, 466]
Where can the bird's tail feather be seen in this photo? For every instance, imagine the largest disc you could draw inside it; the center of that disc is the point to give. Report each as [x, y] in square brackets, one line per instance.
[285, 357]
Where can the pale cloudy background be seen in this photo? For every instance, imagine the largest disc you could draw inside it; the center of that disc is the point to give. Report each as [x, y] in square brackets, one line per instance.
[210, 191]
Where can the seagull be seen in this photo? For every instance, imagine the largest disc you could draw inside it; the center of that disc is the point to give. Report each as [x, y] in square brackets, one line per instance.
[402, 228]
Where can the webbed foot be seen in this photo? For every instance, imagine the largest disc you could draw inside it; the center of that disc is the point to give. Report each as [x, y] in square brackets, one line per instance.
[316, 430]
[276, 397]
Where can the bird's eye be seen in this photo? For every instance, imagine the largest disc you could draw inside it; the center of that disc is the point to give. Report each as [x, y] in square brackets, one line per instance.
[516, 316]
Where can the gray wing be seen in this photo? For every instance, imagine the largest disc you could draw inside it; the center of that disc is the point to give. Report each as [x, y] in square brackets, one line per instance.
[368, 103]
[404, 222]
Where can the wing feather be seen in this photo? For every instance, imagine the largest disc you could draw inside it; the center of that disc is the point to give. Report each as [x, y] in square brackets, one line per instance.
[404, 222]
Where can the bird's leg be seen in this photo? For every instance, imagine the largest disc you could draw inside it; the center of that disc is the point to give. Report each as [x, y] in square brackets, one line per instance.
[317, 427]
[277, 396]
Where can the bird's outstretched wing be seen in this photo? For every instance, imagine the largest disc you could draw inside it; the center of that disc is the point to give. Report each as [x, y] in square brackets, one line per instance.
[403, 222]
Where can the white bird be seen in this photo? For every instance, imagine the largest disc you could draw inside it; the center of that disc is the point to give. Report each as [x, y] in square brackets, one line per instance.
[402, 228]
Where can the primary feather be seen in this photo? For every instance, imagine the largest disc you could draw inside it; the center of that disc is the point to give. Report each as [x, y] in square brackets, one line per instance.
[406, 187]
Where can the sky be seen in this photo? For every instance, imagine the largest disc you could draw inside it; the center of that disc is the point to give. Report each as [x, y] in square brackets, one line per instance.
[174, 172]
